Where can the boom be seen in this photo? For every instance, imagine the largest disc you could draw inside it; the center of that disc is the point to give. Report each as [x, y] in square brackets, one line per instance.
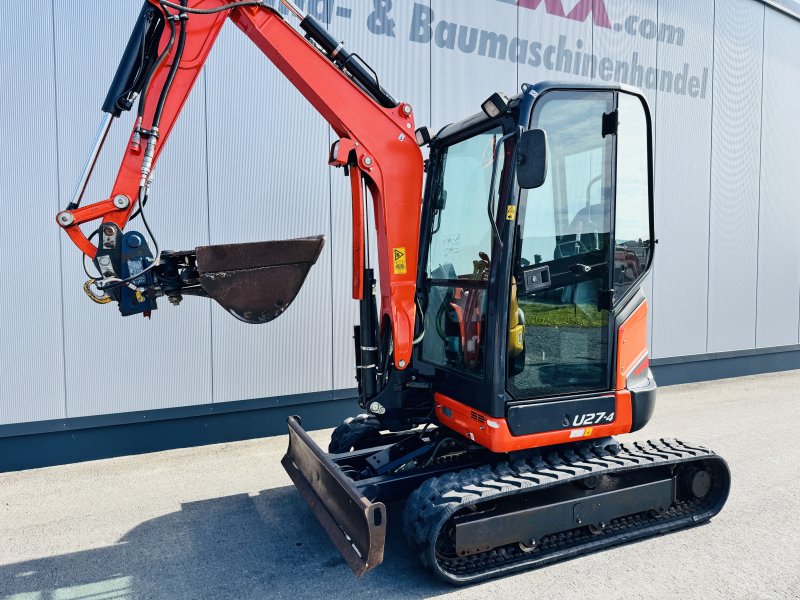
[376, 135]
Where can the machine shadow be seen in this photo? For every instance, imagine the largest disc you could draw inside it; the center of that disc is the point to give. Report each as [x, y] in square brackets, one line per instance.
[267, 545]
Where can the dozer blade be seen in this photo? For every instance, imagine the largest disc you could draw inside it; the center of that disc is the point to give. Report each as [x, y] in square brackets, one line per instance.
[256, 282]
[356, 526]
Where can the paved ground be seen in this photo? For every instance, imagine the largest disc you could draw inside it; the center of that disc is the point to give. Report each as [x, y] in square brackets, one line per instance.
[223, 522]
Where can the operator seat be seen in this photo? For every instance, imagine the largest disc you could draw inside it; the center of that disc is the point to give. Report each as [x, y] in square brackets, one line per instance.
[588, 232]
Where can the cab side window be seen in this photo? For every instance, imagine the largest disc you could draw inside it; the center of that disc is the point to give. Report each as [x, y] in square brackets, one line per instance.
[632, 247]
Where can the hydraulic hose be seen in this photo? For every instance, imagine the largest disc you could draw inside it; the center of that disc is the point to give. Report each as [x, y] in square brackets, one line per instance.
[173, 67]
[154, 68]
[219, 9]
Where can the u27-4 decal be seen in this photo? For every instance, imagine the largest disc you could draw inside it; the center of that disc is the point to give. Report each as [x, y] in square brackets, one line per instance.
[597, 418]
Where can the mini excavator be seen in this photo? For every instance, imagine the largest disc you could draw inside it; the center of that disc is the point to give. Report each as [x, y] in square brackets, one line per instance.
[511, 341]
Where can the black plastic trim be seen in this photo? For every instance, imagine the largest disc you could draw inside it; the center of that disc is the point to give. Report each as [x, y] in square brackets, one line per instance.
[643, 404]
[538, 417]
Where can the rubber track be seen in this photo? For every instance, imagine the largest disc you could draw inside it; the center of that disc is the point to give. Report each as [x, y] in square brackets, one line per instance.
[436, 500]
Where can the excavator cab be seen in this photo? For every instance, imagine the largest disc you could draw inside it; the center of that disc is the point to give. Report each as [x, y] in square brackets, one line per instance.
[552, 196]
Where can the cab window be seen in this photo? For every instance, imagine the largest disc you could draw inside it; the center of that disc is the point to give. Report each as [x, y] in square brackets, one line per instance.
[562, 346]
[460, 253]
[632, 247]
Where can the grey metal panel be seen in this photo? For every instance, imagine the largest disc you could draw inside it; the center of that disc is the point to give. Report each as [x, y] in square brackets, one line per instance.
[779, 218]
[31, 338]
[343, 309]
[276, 359]
[111, 363]
[403, 67]
[177, 431]
[621, 52]
[726, 364]
[790, 8]
[736, 137]
[626, 57]
[558, 48]
[172, 414]
[683, 161]
[268, 179]
[467, 69]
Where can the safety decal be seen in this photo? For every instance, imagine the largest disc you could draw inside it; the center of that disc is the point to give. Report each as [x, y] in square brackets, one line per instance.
[400, 264]
[578, 433]
[511, 212]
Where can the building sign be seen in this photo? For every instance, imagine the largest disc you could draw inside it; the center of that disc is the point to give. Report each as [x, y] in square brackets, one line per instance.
[569, 56]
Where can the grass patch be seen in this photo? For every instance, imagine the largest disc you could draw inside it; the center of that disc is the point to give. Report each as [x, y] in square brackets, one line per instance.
[549, 315]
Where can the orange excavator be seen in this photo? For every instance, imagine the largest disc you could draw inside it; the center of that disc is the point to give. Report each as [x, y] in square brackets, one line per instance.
[510, 345]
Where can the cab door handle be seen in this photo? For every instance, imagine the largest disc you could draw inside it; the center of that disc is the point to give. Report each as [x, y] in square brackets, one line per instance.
[580, 269]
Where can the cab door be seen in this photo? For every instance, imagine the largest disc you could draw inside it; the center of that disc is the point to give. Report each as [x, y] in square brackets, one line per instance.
[583, 241]
[459, 258]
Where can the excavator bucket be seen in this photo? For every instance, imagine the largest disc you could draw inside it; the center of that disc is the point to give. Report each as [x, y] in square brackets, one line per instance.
[256, 282]
[355, 525]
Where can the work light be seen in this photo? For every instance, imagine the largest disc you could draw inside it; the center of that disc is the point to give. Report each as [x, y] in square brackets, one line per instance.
[423, 136]
[495, 105]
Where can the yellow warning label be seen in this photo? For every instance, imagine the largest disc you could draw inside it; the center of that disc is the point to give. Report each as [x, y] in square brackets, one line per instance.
[511, 213]
[400, 265]
[587, 432]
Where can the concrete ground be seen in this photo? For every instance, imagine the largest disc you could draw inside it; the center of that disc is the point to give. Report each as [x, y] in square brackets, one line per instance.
[224, 522]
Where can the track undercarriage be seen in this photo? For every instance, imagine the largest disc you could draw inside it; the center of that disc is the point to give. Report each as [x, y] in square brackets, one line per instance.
[472, 515]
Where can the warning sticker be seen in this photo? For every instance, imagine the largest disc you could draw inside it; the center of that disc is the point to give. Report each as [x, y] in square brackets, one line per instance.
[577, 433]
[511, 212]
[400, 264]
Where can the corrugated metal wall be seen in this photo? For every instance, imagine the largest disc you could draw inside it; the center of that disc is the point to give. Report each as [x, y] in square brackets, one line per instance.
[247, 161]
[682, 167]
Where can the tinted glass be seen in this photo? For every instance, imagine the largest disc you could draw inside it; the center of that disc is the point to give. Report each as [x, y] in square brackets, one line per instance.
[461, 230]
[632, 234]
[567, 225]
[459, 255]
[455, 327]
